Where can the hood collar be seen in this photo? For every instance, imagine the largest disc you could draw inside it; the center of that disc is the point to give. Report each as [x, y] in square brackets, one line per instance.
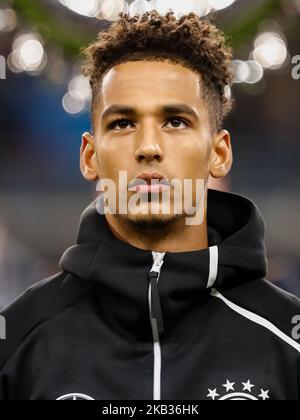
[236, 253]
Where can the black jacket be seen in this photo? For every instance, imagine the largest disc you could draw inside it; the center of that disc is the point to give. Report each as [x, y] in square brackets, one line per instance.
[122, 323]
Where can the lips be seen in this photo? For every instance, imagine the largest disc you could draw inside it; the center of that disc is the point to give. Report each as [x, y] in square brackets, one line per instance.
[148, 189]
[149, 183]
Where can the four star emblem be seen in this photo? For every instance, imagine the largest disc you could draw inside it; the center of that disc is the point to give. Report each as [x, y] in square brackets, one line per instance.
[232, 392]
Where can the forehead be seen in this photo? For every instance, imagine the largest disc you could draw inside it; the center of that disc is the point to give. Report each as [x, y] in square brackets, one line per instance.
[152, 82]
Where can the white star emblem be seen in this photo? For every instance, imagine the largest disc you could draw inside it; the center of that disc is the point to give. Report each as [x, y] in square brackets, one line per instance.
[264, 395]
[229, 386]
[213, 394]
[247, 386]
[234, 392]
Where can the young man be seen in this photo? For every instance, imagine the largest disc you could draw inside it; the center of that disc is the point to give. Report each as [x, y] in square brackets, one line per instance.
[149, 305]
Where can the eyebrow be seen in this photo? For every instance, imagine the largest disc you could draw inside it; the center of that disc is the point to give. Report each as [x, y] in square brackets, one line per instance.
[117, 109]
[179, 109]
[166, 109]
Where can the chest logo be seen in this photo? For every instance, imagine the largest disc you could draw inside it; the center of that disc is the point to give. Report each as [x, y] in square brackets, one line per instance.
[75, 397]
[244, 391]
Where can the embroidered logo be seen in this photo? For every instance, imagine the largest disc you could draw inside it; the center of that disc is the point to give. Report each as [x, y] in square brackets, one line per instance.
[238, 392]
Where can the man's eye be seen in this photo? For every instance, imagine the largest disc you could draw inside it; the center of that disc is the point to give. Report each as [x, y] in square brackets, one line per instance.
[176, 122]
[119, 124]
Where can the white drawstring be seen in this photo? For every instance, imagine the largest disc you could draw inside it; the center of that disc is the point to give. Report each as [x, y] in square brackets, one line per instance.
[213, 266]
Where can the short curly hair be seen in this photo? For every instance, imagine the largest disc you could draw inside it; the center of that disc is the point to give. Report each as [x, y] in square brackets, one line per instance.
[190, 40]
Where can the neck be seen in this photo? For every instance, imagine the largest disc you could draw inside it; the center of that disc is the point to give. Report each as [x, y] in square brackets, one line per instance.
[174, 237]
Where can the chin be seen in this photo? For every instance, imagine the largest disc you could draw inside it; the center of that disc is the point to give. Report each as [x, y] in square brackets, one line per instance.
[152, 220]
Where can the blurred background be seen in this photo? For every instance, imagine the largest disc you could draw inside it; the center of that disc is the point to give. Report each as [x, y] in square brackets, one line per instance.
[45, 103]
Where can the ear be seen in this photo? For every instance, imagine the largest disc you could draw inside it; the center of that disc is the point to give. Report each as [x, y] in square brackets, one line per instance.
[88, 158]
[221, 159]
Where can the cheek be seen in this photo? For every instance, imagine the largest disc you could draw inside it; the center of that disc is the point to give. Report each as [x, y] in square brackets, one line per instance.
[192, 159]
[112, 159]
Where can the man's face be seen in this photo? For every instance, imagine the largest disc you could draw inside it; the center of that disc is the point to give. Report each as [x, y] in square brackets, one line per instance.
[152, 138]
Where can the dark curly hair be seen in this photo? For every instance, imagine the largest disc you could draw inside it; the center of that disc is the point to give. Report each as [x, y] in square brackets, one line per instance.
[190, 40]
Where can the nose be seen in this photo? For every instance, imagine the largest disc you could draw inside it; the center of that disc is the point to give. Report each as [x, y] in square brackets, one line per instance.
[149, 146]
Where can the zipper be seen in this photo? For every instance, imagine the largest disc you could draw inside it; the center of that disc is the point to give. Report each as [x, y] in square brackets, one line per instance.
[156, 320]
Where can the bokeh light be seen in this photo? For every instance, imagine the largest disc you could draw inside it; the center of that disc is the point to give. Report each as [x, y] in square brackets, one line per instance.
[270, 50]
[73, 103]
[138, 7]
[8, 20]
[28, 54]
[220, 4]
[90, 8]
[81, 85]
[249, 71]
[110, 9]
[181, 8]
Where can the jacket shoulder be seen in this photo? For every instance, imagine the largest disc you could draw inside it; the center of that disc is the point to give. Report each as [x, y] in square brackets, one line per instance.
[268, 304]
[38, 304]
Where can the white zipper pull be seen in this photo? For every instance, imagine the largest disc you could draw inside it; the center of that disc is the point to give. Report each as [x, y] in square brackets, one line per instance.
[158, 260]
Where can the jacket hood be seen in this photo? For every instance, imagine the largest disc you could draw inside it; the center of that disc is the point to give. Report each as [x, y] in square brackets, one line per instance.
[236, 254]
